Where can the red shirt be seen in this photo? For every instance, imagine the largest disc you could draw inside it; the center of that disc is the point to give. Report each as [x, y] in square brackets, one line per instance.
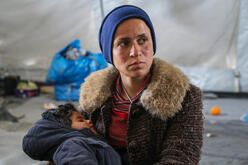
[120, 111]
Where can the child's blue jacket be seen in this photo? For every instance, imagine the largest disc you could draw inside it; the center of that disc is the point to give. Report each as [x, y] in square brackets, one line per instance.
[47, 140]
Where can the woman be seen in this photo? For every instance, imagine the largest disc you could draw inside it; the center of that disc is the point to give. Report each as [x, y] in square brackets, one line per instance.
[146, 108]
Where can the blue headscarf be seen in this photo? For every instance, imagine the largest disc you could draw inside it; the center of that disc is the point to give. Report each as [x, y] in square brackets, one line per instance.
[111, 22]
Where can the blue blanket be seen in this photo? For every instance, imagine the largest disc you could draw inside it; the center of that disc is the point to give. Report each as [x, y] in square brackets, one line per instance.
[47, 140]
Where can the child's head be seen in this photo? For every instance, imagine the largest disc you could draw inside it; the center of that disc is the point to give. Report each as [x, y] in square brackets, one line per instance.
[67, 115]
[78, 121]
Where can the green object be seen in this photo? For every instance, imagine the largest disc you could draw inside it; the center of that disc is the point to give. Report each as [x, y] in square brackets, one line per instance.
[26, 85]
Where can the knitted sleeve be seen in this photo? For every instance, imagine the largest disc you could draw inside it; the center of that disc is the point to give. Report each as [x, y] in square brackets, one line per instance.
[184, 136]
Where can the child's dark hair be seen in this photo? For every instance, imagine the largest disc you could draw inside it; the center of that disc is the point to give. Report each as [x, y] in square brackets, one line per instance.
[62, 114]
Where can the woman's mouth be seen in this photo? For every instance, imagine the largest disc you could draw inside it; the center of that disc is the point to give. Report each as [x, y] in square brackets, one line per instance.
[138, 63]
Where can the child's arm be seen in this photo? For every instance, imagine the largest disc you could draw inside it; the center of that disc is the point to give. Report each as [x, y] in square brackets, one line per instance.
[75, 151]
[42, 139]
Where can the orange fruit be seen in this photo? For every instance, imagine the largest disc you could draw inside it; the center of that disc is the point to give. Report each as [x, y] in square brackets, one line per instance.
[215, 111]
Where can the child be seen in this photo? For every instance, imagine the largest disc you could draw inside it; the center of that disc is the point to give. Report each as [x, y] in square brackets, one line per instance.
[65, 136]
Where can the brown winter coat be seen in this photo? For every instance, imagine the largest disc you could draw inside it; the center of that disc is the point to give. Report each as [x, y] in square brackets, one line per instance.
[165, 127]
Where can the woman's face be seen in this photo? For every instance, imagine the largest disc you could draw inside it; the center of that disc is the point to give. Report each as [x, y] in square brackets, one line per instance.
[133, 48]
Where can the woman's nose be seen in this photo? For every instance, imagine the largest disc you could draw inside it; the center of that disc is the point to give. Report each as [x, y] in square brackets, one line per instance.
[135, 50]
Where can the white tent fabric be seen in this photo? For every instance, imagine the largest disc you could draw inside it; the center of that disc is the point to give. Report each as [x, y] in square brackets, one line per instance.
[195, 33]
[243, 47]
[32, 31]
[205, 38]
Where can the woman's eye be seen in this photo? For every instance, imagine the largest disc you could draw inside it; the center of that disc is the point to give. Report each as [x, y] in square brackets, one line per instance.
[142, 40]
[81, 120]
[123, 43]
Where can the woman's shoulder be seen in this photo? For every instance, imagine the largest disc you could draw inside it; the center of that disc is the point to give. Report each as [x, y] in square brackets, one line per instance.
[171, 76]
[96, 89]
[194, 94]
[166, 90]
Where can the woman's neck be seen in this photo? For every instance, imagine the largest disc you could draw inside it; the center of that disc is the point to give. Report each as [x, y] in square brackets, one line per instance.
[131, 86]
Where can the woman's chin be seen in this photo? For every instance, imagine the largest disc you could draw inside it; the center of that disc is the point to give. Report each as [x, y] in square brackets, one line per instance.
[138, 73]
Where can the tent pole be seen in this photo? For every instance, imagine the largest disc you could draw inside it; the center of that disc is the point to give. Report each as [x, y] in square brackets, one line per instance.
[237, 86]
[237, 80]
[102, 8]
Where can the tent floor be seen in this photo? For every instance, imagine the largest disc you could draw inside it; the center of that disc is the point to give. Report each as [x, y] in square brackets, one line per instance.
[225, 136]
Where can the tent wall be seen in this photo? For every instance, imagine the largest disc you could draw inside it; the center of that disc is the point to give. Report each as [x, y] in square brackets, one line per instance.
[243, 47]
[205, 38]
[200, 37]
[33, 31]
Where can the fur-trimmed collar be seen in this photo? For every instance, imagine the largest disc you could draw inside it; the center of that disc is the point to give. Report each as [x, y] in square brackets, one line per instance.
[162, 98]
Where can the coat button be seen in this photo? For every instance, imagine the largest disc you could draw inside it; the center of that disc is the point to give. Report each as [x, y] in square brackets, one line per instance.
[133, 146]
[136, 111]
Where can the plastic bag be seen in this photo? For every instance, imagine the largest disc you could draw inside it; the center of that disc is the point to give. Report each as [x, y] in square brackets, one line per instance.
[70, 66]
[75, 68]
[67, 92]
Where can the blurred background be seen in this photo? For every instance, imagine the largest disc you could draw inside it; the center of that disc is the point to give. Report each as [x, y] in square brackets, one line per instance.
[207, 39]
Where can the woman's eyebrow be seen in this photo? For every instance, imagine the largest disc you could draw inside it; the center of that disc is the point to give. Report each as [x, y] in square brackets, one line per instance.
[123, 39]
